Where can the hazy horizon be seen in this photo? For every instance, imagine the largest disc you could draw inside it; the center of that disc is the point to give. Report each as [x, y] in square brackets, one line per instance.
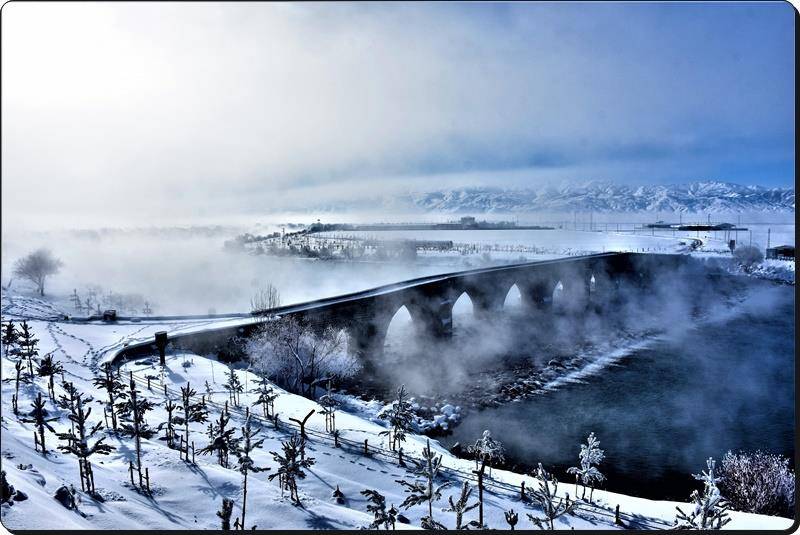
[143, 113]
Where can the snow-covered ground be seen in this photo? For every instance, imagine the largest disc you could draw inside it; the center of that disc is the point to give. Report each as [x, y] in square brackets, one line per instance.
[186, 495]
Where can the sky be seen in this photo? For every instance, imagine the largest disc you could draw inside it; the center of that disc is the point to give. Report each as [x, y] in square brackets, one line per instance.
[144, 112]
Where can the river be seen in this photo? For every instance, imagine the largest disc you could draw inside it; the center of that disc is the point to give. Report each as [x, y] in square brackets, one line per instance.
[662, 410]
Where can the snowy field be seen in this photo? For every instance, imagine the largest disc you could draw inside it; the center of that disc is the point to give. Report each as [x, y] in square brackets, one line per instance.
[185, 495]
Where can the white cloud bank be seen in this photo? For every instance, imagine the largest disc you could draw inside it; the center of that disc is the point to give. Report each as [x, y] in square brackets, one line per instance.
[143, 112]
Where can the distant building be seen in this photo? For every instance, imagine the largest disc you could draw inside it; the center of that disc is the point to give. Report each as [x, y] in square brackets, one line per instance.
[781, 252]
[468, 221]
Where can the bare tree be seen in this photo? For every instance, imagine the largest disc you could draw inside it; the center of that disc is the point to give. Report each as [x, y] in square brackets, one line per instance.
[264, 301]
[37, 266]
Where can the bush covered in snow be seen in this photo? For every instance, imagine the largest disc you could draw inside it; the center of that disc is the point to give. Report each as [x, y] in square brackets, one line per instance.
[758, 482]
[298, 357]
[748, 256]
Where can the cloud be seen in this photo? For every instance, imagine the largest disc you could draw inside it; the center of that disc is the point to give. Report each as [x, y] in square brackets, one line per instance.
[146, 112]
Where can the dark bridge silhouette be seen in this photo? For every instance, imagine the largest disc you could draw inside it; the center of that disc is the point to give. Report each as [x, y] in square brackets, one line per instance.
[595, 282]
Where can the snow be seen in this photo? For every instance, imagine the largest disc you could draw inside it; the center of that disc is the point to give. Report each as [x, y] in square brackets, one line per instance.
[186, 496]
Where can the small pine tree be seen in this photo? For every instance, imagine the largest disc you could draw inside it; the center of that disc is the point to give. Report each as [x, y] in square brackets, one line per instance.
[588, 473]
[461, 506]
[18, 379]
[511, 518]
[710, 508]
[234, 386]
[49, 367]
[266, 398]
[377, 506]
[132, 412]
[192, 412]
[400, 417]
[38, 417]
[488, 450]
[110, 382]
[546, 497]
[422, 490]
[66, 401]
[291, 465]
[171, 422]
[225, 514]
[329, 404]
[9, 338]
[244, 463]
[28, 346]
[222, 439]
[78, 441]
[88, 305]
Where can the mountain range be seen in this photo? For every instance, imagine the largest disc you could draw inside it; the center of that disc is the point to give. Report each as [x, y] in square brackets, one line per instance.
[694, 197]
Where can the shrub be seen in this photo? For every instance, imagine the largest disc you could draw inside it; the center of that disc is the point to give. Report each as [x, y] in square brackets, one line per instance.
[758, 482]
[748, 256]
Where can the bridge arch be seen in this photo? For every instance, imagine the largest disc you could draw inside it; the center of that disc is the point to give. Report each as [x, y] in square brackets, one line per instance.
[463, 310]
[557, 296]
[463, 304]
[513, 298]
[399, 329]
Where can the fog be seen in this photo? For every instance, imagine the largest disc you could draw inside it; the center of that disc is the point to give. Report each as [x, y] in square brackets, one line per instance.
[517, 337]
[188, 272]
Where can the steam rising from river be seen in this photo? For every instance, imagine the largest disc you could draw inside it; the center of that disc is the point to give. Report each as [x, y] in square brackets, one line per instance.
[523, 339]
[187, 272]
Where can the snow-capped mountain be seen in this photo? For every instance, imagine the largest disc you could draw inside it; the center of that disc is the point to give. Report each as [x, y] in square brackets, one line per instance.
[607, 197]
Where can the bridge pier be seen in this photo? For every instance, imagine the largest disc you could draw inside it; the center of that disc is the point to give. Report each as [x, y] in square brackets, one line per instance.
[488, 301]
[433, 316]
[538, 294]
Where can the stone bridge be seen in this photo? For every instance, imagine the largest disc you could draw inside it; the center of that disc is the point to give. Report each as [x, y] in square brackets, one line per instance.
[592, 281]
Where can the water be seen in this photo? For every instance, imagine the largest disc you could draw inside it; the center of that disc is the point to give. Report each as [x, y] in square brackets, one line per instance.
[663, 410]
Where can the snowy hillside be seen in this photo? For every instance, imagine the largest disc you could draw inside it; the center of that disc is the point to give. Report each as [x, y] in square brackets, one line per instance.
[597, 196]
[186, 494]
[607, 197]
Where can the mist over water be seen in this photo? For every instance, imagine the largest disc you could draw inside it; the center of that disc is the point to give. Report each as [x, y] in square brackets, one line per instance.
[726, 383]
[190, 273]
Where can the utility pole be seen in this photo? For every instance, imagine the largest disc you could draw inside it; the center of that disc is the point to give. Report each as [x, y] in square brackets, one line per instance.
[768, 235]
